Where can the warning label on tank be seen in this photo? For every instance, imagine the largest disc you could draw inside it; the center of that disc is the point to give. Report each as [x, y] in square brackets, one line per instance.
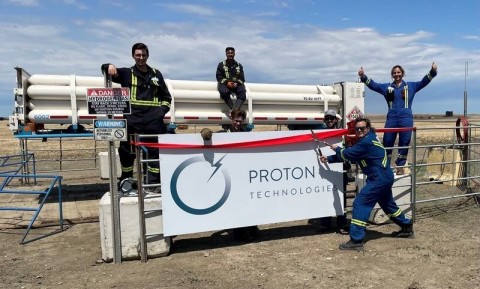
[108, 100]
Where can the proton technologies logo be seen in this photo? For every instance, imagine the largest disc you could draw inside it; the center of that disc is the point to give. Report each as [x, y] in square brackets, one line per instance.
[177, 178]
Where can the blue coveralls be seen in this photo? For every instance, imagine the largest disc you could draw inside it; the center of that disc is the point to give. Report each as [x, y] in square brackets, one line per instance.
[399, 115]
[370, 154]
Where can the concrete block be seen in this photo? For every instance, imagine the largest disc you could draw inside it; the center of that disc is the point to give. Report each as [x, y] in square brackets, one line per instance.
[448, 168]
[157, 244]
[105, 166]
[402, 190]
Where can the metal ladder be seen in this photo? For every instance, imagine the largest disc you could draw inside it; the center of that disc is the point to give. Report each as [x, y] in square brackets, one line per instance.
[144, 186]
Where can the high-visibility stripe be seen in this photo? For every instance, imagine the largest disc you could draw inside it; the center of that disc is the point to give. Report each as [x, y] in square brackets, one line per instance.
[133, 94]
[396, 214]
[227, 72]
[127, 169]
[359, 223]
[405, 91]
[225, 68]
[165, 103]
[341, 154]
[133, 91]
[384, 161]
[153, 170]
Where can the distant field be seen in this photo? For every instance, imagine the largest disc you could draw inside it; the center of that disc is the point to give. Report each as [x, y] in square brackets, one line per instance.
[422, 122]
[82, 154]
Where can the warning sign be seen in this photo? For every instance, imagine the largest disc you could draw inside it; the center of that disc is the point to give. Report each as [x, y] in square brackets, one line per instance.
[108, 100]
[110, 129]
[354, 113]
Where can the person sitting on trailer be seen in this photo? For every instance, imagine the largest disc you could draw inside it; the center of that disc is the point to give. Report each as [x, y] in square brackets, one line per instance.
[231, 79]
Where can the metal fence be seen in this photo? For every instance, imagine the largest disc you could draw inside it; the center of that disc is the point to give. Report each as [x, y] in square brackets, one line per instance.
[444, 167]
[74, 158]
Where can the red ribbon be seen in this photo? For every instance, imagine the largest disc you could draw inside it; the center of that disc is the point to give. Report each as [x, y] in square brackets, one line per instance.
[267, 142]
[250, 144]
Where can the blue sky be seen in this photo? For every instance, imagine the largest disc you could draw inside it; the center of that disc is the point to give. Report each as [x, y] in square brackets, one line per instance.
[287, 42]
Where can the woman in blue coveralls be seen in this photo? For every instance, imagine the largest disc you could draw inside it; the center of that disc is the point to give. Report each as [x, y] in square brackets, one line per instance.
[370, 154]
[399, 96]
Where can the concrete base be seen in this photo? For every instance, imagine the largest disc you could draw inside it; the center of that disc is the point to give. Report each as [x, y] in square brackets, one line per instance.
[402, 190]
[105, 166]
[157, 244]
[449, 168]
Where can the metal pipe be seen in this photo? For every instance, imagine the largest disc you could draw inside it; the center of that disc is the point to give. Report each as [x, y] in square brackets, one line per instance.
[413, 196]
[141, 203]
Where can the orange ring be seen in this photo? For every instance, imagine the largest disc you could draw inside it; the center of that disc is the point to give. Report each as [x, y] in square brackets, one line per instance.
[464, 122]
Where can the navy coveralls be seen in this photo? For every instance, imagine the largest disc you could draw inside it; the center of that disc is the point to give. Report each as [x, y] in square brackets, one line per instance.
[370, 154]
[399, 100]
[150, 101]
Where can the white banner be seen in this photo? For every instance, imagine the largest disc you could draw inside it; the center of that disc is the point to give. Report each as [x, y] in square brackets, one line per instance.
[207, 189]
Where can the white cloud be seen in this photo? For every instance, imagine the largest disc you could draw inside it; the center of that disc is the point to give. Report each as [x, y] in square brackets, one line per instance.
[25, 2]
[273, 52]
[190, 9]
[76, 3]
[472, 37]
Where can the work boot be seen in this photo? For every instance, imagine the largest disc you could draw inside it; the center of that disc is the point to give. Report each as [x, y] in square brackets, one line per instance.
[351, 245]
[405, 232]
[125, 176]
[400, 171]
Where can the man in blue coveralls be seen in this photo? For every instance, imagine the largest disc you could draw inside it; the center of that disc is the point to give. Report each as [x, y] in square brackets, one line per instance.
[370, 154]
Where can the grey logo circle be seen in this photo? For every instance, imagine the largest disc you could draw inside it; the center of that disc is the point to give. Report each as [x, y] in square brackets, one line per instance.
[185, 207]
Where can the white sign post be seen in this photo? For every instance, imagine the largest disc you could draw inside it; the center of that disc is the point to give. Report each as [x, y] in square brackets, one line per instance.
[111, 101]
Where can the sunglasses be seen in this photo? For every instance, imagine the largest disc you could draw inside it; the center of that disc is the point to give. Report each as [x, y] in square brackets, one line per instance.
[329, 119]
[360, 128]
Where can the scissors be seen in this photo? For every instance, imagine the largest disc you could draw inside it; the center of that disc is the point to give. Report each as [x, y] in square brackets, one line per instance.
[317, 149]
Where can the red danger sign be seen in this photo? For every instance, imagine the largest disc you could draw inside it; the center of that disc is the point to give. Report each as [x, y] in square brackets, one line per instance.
[108, 100]
[354, 113]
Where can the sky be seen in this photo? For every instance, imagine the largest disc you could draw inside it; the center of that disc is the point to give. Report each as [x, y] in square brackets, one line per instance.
[284, 42]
